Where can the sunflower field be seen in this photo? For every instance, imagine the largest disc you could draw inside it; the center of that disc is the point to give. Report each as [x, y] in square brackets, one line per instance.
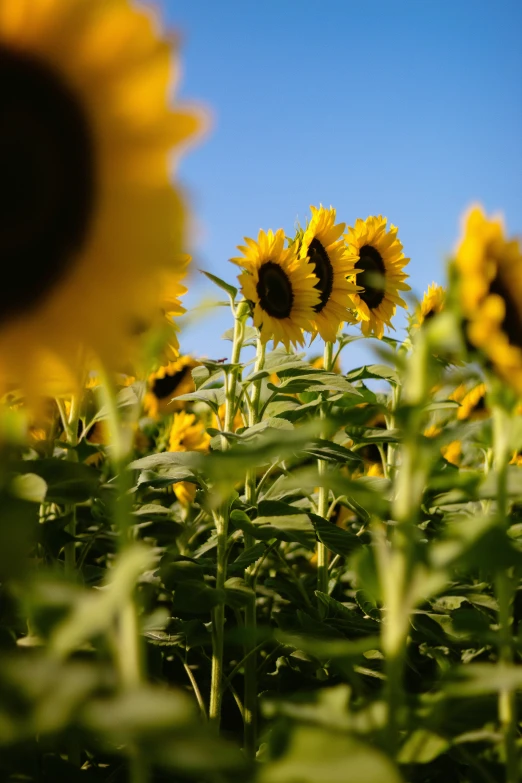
[274, 567]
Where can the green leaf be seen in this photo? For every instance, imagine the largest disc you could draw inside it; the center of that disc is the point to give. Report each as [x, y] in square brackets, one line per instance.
[363, 435]
[376, 371]
[289, 527]
[200, 375]
[316, 755]
[231, 291]
[368, 605]
[237, 593]
[94, 612]
[247, 557]
[422, 747]
[29, 486]
[341, 542]
[196, 597]
[67, 482]
[332, 452]
[211, 397]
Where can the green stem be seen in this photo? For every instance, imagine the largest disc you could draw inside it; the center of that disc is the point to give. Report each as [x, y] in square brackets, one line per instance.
[128, 647]
[396, 563]
[71, 434]
[250, 653]
[505, 595]
[218, 622]
[322, 500]
[221, 523]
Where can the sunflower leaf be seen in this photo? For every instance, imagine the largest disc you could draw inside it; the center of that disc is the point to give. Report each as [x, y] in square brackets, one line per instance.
[231, 291]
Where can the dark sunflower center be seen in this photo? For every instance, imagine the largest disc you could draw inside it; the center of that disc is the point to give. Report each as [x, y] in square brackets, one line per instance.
[46, 180]
[371, 277]
[323, 270]
[164, 387]
[274, 290]
[512, 323]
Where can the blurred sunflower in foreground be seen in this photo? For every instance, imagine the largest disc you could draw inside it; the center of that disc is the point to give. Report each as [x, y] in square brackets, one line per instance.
[490, 292]
[379, 261]
[91, 228]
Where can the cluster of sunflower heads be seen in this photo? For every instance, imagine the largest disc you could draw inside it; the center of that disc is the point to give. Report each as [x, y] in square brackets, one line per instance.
[326, 276]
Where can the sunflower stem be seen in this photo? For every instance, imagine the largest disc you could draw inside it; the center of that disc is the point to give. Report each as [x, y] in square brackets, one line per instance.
[505, 595]
[221, 521]
[128, 647]
[250, 666]
[322, 500]
[71, 434]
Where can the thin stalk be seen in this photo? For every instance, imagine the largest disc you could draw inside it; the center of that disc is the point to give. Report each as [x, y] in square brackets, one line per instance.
[322, 500]
[505, 595]
[218, 622]
[396, 557]
[71, 434]
[221, 523]
[128, 651]
[250, 657]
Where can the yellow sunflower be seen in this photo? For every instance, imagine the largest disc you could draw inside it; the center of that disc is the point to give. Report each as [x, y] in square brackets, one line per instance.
[323, 246]
[280, 286]
[90, 222]
[379, 260]
[490, 291]
[452, 452]
[170, 380]
[472, 402]
[187, 434]
[432, 303]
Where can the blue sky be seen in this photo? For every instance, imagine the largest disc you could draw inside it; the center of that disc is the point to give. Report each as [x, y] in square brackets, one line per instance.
[411, 109]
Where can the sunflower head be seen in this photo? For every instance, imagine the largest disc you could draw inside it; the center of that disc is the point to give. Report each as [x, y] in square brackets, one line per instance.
[279, 286]
[323, 246]
[432, 303]
[90, 223]
[188, 433]
[452, 452]
[490, 292]
[472, 402]
[379, 261]
[170, 380]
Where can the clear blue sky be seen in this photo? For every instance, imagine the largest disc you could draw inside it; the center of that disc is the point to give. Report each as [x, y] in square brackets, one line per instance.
[411, 109]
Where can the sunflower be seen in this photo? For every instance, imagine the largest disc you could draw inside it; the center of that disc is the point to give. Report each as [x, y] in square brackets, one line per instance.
[490, 291]
[187, 433]
[90, 222]
[323, 246]
[472, 402]
[432, 303]
[379, 260]
[171, 380]
[452, 452]
[280, 287]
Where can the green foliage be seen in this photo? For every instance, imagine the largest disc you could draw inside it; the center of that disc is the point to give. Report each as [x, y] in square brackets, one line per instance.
[121, 599]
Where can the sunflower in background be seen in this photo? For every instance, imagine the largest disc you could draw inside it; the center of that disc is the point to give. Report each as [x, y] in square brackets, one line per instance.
[472, 402]
[432, 304]
[187, 433]
[490, 292]
[171, 380]
[379, 261]
[280, 287]
[322, 245]
[90, 224]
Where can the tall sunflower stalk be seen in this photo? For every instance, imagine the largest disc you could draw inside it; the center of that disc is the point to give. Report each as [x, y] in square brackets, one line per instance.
[221, 519]
[505, 589]
[250, 694]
